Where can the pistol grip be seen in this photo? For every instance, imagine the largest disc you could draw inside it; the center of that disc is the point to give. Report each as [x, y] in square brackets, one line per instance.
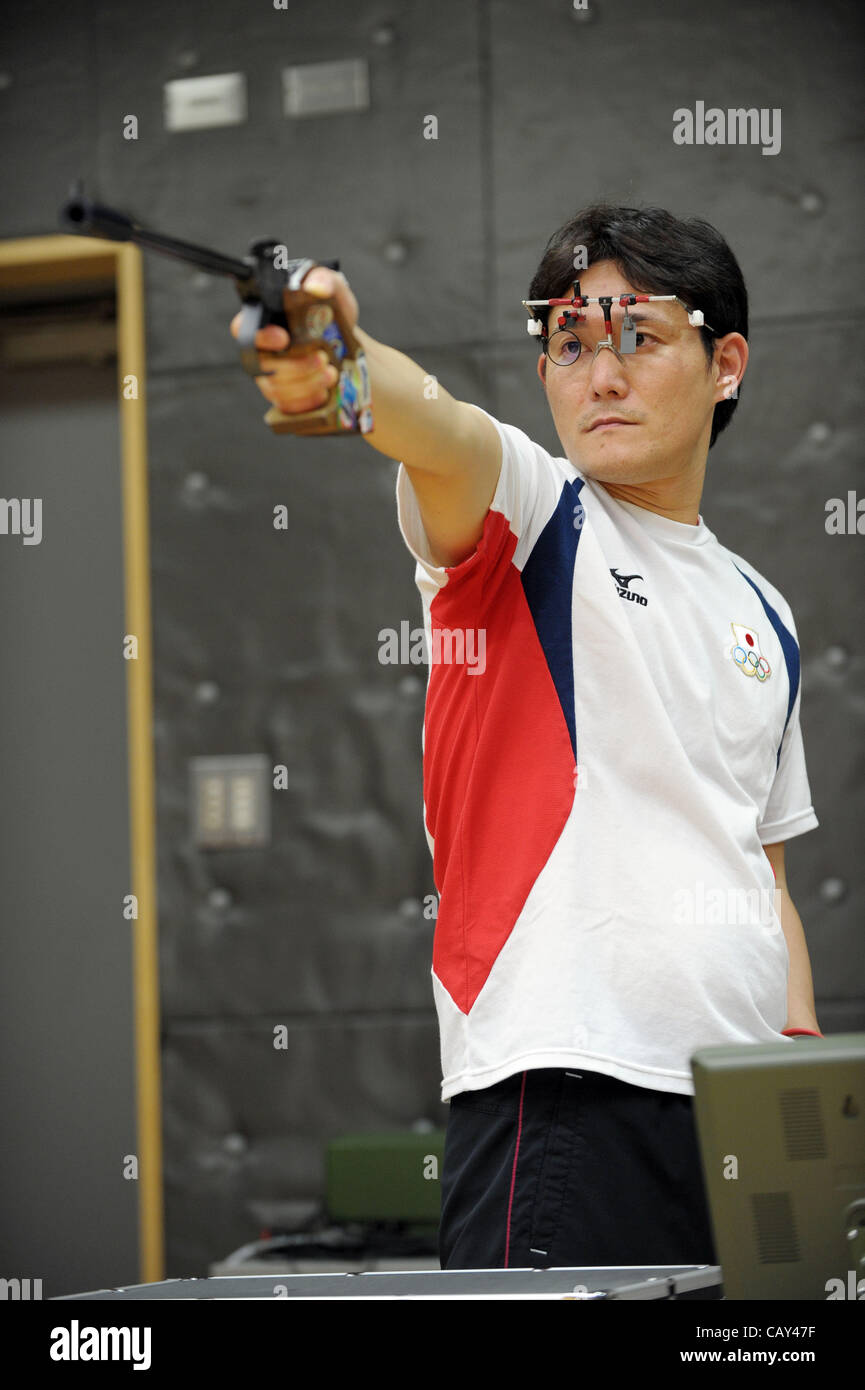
[315, 324]
[347, 410]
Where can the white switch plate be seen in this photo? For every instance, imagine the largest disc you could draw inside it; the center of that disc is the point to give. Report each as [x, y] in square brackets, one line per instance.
[199, 103]
[323, 89]
[230, 801]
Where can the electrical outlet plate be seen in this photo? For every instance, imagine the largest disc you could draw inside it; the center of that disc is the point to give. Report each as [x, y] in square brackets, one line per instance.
[230, 801]
[199, 103]
[323, 89]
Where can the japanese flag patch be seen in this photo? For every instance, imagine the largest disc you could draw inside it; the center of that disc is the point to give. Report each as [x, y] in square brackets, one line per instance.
[746, 652]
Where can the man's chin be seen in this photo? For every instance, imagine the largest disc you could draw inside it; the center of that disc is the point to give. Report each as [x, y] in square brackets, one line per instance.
[619, 465]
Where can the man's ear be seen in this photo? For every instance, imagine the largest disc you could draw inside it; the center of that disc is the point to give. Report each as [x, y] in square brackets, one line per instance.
[542, 368]
[731, 359]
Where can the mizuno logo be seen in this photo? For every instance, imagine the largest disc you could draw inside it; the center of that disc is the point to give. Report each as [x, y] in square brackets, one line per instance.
[622, 582]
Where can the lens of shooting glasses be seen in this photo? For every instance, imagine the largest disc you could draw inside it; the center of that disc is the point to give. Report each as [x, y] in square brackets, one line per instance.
[563, 348]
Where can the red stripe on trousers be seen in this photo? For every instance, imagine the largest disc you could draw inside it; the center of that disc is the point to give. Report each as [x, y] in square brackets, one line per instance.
[514, 1171]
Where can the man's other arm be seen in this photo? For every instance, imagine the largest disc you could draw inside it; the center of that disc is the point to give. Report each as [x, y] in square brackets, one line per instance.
[801, 1009]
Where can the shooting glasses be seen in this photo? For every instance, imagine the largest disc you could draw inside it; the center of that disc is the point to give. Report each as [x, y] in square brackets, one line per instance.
[563, 347]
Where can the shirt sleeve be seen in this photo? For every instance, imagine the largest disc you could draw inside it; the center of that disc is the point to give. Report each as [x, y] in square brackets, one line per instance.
[526, 494]
[789, 810]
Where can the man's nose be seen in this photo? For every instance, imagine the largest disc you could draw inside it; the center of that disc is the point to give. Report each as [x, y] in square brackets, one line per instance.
[607, 367]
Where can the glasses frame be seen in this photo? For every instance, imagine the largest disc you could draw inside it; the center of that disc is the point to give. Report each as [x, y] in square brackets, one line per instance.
[537, 327]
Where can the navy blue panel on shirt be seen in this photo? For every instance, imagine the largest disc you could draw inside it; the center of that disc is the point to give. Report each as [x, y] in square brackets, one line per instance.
[548, 582]
[790, 650]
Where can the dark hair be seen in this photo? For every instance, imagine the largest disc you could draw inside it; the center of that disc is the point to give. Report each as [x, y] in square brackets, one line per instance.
[658, 254]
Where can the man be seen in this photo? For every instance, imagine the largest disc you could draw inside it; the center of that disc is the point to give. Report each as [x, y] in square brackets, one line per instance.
[604, 798]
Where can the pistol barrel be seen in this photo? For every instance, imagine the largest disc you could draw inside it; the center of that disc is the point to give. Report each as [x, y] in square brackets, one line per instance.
[88, 218]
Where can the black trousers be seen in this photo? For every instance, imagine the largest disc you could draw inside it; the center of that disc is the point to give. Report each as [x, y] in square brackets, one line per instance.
[572, 1168]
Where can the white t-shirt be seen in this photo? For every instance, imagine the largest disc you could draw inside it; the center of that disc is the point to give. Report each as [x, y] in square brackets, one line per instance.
[611, 734]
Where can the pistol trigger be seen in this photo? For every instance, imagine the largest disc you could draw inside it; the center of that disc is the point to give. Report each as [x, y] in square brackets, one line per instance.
[250, 322]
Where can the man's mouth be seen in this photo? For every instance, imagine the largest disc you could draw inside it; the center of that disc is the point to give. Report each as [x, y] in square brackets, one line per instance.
[609, 422]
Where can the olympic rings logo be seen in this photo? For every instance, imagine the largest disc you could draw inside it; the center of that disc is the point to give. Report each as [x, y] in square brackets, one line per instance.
[751, 663]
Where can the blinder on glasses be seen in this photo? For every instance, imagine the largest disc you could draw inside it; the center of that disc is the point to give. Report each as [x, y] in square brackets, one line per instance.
[563, 347]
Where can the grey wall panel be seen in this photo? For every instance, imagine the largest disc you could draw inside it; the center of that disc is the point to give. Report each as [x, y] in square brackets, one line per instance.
[247, 1125]
[50, 118]
[341, 185]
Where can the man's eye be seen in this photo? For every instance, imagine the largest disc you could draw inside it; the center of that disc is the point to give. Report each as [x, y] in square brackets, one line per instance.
[646, 338]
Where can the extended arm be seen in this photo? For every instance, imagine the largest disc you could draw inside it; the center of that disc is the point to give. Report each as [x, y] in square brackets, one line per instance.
[450, 450]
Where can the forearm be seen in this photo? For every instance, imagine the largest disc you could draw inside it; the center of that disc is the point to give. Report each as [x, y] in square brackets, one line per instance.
[415, 419]
[801, 1009]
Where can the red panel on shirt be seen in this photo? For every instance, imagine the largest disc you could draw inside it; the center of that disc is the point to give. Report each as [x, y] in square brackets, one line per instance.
[495, 744]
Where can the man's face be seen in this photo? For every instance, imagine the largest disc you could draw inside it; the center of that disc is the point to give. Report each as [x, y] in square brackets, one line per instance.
[665, 390]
